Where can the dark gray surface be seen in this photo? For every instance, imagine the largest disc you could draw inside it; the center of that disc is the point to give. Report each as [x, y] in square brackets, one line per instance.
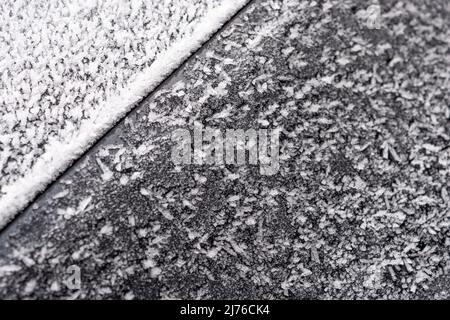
[359, 208]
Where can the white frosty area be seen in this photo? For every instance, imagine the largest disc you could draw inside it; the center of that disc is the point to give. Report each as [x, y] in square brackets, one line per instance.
[70, 69]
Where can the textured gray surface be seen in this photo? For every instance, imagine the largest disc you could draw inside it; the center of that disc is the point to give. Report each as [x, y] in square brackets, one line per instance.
[60, 62]
[359, 208]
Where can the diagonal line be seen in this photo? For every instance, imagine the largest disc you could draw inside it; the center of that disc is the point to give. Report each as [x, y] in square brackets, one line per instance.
[9, 225]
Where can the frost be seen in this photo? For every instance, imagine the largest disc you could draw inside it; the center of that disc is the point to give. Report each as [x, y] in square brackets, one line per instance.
[250, 221]
[66, 79]
[213, 252]
[234, 198]
[61, 194]
[8, 269]
[155, 272]
[30, 286]
[107, 230]
[166, 214]
[107, 173]
[129, 296]
[149, 263]
[67, 213]
[83, 204]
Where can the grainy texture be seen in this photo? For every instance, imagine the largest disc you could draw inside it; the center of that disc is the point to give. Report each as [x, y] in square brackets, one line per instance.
[61, 61]
[359, 208]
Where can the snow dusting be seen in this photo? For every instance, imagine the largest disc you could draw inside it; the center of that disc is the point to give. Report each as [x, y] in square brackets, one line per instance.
[70, 70]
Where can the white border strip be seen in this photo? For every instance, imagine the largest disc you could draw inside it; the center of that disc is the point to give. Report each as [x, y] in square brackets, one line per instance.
[60, 155]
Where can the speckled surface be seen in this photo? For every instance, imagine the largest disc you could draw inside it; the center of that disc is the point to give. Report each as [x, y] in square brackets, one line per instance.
[61, 61]
[358, 209]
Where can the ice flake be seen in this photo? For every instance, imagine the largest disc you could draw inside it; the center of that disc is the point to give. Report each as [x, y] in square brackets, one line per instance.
[155, 272]
[8, 269]
[107, 173]
[107, 230]
[113, 64]
[61, 194]
[82, 206]
[166, 214]
[212, 253]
